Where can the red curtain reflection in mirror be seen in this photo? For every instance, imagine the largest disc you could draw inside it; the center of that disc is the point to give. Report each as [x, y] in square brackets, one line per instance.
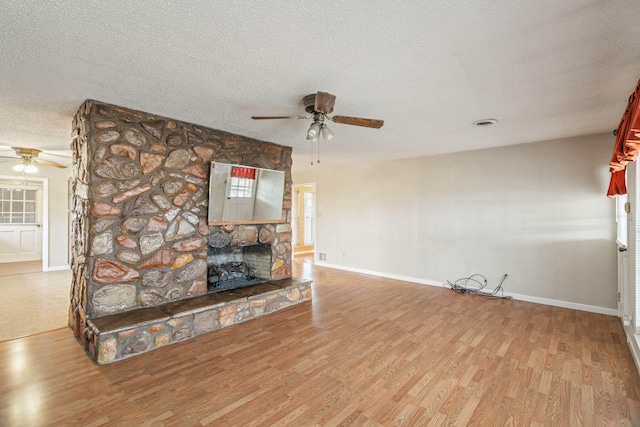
[243, 172]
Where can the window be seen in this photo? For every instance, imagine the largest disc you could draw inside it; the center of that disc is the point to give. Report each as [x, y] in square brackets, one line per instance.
[241, 187]
[309, 226]
[241, 184]
[17, 206]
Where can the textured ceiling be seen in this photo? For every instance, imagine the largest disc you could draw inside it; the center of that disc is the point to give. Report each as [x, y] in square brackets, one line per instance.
[544, 69]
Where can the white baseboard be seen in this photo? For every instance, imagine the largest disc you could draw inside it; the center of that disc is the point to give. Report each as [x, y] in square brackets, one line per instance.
[566, 304]
[634, 344]
[59, 268]
[527, 298]
[380, 274]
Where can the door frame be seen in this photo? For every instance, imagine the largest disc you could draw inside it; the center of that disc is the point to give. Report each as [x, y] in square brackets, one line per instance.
[45, 212]
[295, 218]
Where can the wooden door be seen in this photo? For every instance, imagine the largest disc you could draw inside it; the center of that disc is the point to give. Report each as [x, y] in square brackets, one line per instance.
[20, 222]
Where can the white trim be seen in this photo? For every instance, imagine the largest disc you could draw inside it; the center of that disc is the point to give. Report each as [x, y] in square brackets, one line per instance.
[628, 277]
[45, 224]
[566, 304]
[520, 297]
[634, 343]
[60, 268]
[380, 274]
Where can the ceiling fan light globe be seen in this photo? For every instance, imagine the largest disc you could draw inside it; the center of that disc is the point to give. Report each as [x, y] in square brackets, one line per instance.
[327, 133]
[30, 169]
[19, 168]
[314, 131]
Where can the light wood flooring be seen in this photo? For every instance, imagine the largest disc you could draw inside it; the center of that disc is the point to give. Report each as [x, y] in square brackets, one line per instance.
[368, 351]
[12, 268]
[32, 301]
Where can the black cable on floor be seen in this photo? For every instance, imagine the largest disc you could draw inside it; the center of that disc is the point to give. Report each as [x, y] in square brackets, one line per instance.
[475, 285]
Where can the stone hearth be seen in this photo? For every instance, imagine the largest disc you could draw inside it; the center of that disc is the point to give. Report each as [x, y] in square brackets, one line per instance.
[122, 335]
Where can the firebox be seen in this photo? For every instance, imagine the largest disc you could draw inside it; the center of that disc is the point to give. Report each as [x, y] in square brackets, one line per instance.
[236, 267]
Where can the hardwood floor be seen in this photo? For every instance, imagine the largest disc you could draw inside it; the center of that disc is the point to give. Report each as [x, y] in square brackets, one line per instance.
[368, 351]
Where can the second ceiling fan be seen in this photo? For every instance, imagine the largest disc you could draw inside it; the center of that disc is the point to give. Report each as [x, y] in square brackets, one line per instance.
[319, 105]
[27, 158]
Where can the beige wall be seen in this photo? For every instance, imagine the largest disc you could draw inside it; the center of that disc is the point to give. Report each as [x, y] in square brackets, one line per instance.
[58, 215]
[536, 211]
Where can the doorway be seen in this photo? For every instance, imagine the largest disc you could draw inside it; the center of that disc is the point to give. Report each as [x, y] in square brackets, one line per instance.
[23, 238]
[304, 218]
[20, 221]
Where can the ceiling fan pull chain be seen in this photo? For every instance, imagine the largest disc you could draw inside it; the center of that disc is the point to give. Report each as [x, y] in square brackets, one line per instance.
[318, 151]
[311, 153]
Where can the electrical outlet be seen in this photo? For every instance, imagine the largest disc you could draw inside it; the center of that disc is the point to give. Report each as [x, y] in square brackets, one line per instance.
[472, 271]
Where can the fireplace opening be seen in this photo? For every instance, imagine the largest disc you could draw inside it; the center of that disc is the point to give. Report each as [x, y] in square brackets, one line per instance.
[237, 267]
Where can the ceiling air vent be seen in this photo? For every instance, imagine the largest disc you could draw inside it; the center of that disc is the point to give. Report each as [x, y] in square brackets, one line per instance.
[485, 122]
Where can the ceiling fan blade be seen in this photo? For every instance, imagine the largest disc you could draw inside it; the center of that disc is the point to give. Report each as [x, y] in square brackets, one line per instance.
[324, 102]
[47, 163]
[277, 117]
[357, 121]
[7, 157]
[50, 153]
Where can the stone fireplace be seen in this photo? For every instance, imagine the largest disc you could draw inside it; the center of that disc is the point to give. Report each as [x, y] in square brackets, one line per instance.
[142, 245]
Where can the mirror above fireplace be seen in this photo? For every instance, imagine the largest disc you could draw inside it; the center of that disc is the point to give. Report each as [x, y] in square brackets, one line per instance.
[242, 194]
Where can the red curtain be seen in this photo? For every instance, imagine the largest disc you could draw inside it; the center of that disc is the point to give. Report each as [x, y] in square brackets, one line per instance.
[243, 172]
[627, 145]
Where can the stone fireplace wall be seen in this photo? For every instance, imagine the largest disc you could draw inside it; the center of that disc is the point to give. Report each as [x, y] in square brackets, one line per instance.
[140, 185]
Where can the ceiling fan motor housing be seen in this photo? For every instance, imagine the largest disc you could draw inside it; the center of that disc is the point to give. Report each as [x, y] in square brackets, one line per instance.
[26, 152]
[309, 102]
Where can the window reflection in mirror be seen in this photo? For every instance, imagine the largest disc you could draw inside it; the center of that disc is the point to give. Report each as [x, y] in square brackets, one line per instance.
[240, 194]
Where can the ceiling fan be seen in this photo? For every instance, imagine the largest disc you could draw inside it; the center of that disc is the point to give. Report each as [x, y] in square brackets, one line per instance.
[28, 158]
[319, 106]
